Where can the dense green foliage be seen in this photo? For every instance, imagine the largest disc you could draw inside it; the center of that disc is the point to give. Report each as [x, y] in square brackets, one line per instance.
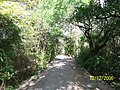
[9, 43]
[33, 32]
[100, 24]
[30, 34]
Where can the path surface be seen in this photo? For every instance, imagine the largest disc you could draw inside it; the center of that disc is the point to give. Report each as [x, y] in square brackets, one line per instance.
[63, 74]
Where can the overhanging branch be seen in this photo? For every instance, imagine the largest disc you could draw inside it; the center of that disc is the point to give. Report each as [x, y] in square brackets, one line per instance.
[81, 26]
[110, 15]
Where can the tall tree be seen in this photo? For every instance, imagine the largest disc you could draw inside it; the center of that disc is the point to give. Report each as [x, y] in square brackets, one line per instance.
[99, 21]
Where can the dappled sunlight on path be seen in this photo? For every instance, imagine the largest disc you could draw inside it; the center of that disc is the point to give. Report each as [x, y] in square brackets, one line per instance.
[63, 74]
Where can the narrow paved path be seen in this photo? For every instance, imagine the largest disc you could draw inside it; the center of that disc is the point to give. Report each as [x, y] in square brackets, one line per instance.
[63, 74]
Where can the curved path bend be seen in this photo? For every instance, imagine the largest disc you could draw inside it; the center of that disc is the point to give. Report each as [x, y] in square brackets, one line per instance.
[63, 74]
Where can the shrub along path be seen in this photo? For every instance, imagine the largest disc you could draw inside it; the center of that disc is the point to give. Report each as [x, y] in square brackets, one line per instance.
[63, 74]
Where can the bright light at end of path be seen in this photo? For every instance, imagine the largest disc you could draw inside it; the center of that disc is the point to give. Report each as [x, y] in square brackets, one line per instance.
[62, 57]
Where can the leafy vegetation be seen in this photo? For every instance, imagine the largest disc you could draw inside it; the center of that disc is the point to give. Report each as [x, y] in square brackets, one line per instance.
[99, 22]
[33, 32]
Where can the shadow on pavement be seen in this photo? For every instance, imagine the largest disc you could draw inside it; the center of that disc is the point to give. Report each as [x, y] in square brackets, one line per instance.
[63, 74]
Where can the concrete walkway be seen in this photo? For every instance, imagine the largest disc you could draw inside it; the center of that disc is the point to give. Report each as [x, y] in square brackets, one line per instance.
[63, 74]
